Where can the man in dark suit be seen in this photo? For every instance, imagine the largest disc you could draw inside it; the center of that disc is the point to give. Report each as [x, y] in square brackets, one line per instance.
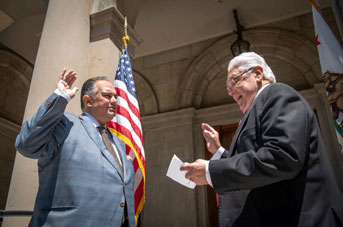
[276, 171]
[85, 177]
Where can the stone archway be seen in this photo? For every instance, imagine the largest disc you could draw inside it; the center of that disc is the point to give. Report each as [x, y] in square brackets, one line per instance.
[146, 95]
[15, 77]
[207, 74]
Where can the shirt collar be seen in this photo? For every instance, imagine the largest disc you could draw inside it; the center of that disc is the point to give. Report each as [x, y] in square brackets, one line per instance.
[259, 91]
[94, 121]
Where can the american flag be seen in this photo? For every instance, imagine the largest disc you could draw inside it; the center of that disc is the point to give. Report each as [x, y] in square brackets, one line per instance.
[126, 125]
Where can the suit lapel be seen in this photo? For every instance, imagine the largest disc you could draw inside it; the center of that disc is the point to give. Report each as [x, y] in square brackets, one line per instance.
[238, 131]
[241, 125]
[95, 136]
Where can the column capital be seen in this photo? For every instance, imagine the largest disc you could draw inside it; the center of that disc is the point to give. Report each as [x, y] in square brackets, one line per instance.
[109, 23]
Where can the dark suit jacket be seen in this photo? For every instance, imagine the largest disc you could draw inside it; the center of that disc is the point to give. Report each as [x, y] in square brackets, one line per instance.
[277, 172]
[80, 183]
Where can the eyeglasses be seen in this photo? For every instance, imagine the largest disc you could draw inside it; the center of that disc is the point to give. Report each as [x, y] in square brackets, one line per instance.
[235, 79]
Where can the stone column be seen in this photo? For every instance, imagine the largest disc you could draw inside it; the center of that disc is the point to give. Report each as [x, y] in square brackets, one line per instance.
[107, 30]
[64, 43]
[167, 202]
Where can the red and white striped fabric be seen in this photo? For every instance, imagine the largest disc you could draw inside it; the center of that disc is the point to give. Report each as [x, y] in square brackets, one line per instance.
[126, 125]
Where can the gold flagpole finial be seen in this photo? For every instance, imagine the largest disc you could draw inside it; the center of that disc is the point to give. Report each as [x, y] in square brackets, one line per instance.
[126, 38]
[315, 4]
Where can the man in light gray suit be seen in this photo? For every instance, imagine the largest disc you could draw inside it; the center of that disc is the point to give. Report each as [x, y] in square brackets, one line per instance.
[83, 181]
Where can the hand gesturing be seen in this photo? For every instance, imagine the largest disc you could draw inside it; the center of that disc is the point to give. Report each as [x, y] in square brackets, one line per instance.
[66, 81]
[212, 138]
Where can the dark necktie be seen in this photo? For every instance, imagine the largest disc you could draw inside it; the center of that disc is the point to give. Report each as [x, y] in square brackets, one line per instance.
[109, 146]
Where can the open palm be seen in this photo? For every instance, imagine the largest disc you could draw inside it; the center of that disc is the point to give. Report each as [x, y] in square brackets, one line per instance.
[66, 81]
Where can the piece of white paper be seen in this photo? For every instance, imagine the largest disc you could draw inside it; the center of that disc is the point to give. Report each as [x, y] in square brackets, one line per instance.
[177, 175]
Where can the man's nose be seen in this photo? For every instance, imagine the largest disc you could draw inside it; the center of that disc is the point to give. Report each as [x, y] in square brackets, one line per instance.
[231, 91]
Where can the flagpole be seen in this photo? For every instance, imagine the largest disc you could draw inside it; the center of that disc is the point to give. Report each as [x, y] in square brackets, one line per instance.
[315, 4]
[337, 8]
[126, 38]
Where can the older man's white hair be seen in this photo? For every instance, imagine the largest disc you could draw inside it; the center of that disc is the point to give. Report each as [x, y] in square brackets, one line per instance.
[247, 60]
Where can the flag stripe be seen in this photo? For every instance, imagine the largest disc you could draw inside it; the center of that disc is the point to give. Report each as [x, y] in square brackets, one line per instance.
[121, 85]
[134, 160]
[135, 163]
[138, 195]
[122, 100]
[126, 114]
[119, 132]
[128, 131]
[122, 137]
[138, 177]
[126, 135]
[141, 203]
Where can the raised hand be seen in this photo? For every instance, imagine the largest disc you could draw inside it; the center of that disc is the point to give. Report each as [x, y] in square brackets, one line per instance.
[212, 138]
[66, 81]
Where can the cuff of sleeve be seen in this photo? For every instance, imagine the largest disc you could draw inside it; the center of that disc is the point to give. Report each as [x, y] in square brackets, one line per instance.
[218, 153]
[64, 95]
[208, 176]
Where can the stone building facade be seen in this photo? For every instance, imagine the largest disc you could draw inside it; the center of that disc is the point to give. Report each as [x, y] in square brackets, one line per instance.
[178, 88]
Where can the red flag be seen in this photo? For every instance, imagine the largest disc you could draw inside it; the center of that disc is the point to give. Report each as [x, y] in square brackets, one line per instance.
[126, 125]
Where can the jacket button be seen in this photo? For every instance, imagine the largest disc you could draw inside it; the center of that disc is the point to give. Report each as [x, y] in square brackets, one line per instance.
[122, 204]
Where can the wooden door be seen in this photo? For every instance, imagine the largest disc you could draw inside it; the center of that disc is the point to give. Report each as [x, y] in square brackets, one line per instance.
[226, 133]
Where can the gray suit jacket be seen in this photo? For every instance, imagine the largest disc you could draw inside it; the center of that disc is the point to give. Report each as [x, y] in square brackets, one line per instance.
[276, 171]
[80, 184]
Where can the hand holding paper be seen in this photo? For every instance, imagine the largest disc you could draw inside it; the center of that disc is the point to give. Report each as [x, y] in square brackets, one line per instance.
[177, 175]
[196, 171]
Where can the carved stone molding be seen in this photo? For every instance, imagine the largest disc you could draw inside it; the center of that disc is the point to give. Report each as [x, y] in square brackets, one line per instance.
[109, 23]
[297, 55]
[219, 115]
[15, 78]
[18, 67]
[146, 95]
[168, 120]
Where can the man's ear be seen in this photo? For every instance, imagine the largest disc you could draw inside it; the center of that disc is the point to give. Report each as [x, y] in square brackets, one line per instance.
[87, 100]
[259, 72]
